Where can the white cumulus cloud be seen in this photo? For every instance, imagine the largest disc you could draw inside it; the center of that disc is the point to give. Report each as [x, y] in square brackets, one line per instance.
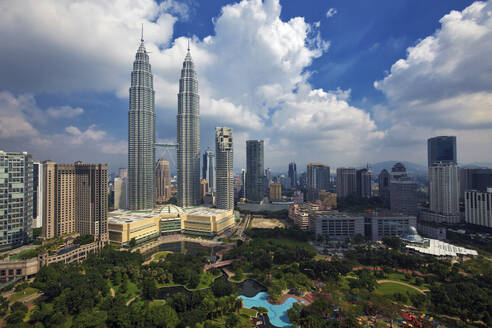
[331, 12]
[253, 75]
[64, 112]
[444, 85]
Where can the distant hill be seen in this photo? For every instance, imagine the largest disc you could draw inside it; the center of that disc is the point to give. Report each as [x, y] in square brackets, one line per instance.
[413, 169]
[477, 165]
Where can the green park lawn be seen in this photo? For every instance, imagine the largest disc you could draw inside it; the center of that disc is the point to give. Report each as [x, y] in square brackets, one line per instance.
[23, 293]
[292, 243]
[206, 279]
[401, 277]
[389, 288]
[160, 255]
[132, 290]
[167, 284]
[158, 302]
[248, 312]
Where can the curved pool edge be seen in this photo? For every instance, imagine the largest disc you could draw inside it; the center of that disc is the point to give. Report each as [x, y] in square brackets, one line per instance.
[277, 314]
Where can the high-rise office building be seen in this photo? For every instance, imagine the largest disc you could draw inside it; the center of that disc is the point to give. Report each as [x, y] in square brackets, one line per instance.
[403, 196]
[163, 181]
[318, 178]
[444, 190]
[243, 183]
[203, 188]
[284, 181]
[402, 191]
[123, 172]
[91, 197]
[255, 179]
[225, 175]
[58, 199]
[141, 134]
[120, 195]
[275, 191]
[16, 199]
[346, 182]
[478, 179]
[37, 208]
[478, 207]
[398, 170]
[208, 169]
[268, 175]
[188, 136]
[364, 183]
[268, 179]
[383, 182]
[75, 199]
[441, 149]
[293, 175]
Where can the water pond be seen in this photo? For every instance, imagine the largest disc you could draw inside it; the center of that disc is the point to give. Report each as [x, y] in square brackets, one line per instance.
[276, 313]
[186, 247]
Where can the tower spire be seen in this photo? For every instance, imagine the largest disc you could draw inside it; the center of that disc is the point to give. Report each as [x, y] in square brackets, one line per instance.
[141, 39]
[188, 44]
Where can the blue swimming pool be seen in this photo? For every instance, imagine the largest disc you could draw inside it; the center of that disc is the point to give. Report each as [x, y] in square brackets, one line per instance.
[276, 313]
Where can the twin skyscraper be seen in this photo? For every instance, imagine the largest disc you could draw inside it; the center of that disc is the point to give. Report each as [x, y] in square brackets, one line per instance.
[141, 140]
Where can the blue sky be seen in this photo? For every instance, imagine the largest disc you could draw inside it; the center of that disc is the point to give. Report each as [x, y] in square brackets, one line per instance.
[299, 74]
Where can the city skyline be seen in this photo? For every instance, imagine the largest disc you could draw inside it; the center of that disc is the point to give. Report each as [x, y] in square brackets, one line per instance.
[61, 117]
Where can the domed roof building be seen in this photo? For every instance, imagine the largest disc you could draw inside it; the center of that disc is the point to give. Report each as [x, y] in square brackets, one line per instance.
[412, 236]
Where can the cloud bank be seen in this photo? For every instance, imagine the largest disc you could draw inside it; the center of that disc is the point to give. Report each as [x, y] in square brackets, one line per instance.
[254, 76]
[444, 85]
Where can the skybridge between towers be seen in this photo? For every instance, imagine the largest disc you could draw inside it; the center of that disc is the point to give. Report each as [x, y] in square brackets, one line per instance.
[165, 149]
[165, 146]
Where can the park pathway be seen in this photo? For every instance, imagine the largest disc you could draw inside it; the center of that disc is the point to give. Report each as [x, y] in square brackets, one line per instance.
[130, 301]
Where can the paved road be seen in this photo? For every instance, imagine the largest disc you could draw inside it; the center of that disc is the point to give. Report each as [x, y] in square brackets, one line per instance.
[243, 227]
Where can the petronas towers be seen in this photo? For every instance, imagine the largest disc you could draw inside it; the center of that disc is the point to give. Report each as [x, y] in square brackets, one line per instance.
[188, 136]
[141, 135]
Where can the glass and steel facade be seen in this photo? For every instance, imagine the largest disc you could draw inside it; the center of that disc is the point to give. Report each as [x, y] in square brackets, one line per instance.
[255, 178]
[141, 134]
[188, 136]
[208, 169]
[225, 175]
[441, 149]
[16, 199]
[293, 175]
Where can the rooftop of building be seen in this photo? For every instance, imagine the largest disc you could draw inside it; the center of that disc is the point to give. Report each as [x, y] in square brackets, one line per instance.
[439, 248]
[385, 213]
[205, 211]
[127, 216]
[433, 247]
[489, 190]
[3, 152]
[336, 214]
